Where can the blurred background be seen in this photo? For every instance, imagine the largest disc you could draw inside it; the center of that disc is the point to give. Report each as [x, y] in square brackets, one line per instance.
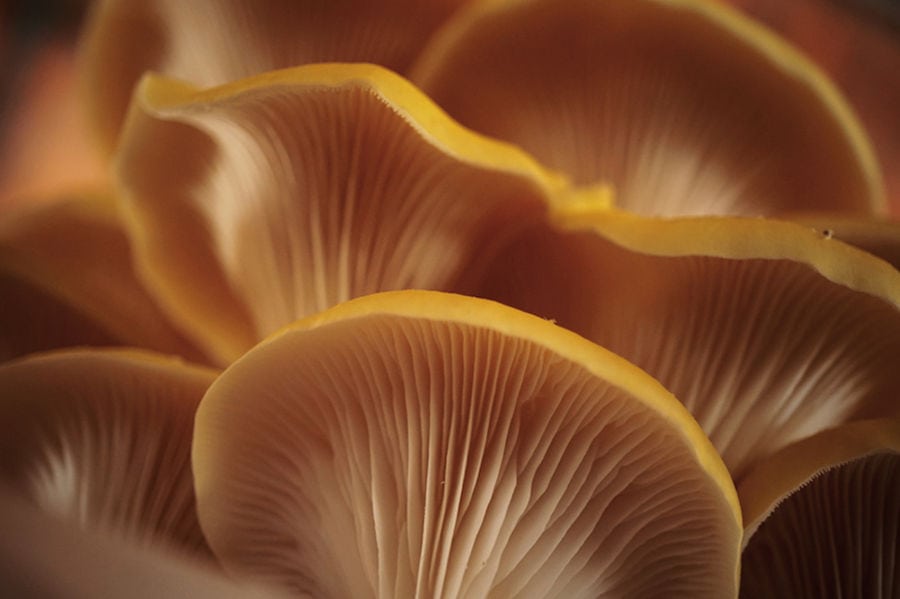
[46, 151]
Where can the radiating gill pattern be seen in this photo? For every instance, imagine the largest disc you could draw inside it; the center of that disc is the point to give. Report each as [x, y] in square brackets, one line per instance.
[766, 355]
[97, 455]
[404, 458]
[838, 535]
[761, 352]
[335, 194]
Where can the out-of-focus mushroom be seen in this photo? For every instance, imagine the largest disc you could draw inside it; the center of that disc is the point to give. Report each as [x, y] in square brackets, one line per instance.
[211, 42]
[823, 517]
[272, 198]
[44, 556]
[768, 331]
[685, 106]
[66, 279]
[423, 444]
[103, 439]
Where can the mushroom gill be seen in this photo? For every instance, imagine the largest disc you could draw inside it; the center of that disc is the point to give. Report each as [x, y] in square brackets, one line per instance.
[102, 439]
[767, 331]
[66, 279]
[269, 199]
[211, 42]
[684, 106]
[424, 444]
[823, 517]
[43, 556]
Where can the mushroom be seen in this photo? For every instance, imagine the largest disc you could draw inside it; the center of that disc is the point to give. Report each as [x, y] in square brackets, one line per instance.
[272, 198]
[684, 106]
[102, 438]
[66, 279]
[823, 516]
[878, 236]
[44, 556]
[768, 331]
[211, 42]
[424, 444]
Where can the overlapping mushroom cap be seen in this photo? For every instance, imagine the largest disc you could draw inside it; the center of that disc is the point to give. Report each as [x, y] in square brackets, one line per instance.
[103, 439]
[684, 106]
[66, 278]
[823, 516]
[257, 203]
[42, 555]
[210, 43]
[432, 445]
[767, 331]
[427, 443]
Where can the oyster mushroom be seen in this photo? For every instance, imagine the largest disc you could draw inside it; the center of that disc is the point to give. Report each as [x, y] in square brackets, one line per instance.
[423, 444]
[767, 331]
[880, 237]
[66, 279]
[44, 556]
[211, 42]
[823, 516]
[684, 106]
[102, 439]
[269, 199]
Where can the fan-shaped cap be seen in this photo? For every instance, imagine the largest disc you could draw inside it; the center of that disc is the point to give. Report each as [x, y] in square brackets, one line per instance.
[103, 438]
[767, 331]
[422, 444]
[44, 556]
[823, 516]
[66, 279]
[686, 107]
[211, 42]
[270, 199]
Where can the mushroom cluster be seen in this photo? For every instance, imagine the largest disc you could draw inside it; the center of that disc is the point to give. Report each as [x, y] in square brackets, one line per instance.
[458, 298]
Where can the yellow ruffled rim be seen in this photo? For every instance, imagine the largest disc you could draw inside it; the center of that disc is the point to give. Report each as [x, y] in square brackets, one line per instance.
[161, 97]
[166, 99]
[738, 238]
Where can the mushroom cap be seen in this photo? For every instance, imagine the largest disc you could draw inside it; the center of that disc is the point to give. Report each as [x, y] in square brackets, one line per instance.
[269, 199]
[102, 438]
[66, 279]
[418, 443]
[42, 555]
[767, 331]
[684, 106]
[823, 516]
[211, 42]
